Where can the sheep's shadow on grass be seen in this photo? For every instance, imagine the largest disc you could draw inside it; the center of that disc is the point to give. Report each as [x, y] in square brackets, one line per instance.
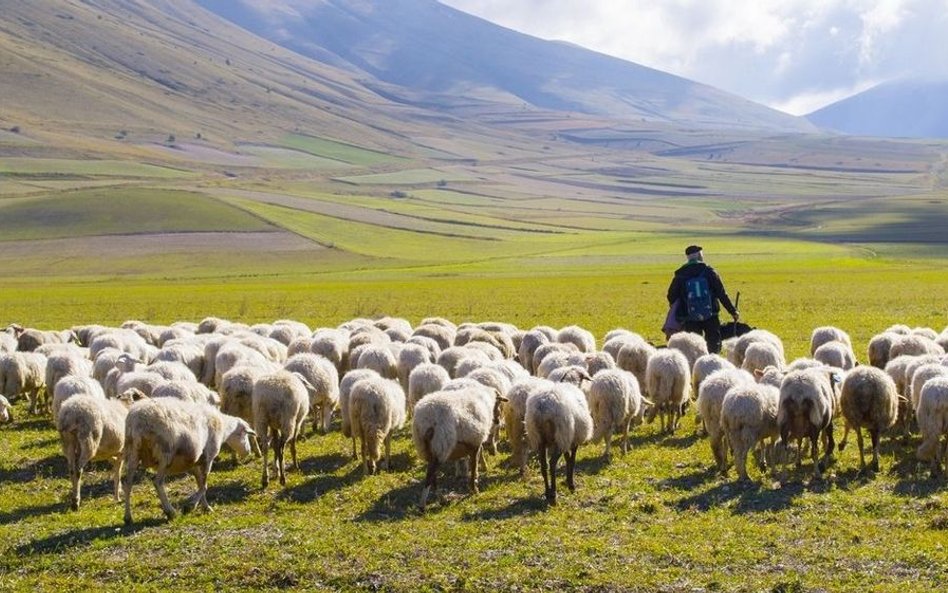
[750, 496]
[40, 444]
[76, 538]
[34, 423]
[52, 466]
[589, 465]
[676, 440]
[317, 486]
[230, 492]
[18, 514]
[691, 480]
[394, 505]
[521, 507]
[327, 463]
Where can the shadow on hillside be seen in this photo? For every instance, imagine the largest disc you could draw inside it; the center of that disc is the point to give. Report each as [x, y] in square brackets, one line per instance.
[70, 540]
[520, 507]
[54, 466]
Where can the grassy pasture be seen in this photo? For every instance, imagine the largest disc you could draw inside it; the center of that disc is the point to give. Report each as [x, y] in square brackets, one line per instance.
[339, 151]
[32, 167]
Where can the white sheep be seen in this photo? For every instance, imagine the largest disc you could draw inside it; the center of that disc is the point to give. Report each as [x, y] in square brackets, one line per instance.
[710, 398]
[807, 407]
[322, 375]
[30, 339]
[24, 374]
[557, 420]
[187, 390]
[532, 340]
[6, 411]
[345, 391]
[425, 379]
[280, 403]
[836, 354]
[932, 417]
[736, 354]
[879, 347]
[869, 400]
[409, 357]
[441, 334]
[579, 337]
[514, 413]
[376, 409]
[173, 436]
[236, 394]
[760, 355]
[454, 425]
[550, 349]
[615, 402]
[921, 375]
[825, 334]
[63, 364]
[668, 385]
[92, 429]
[599, 361]
[72, 386]
[634, 357]
[189, 354]
[333, 345]
[705, 366]
[748, 417]
[379, 359]
[693, 346]
[914, 345]
[616, 339]
[451, 357]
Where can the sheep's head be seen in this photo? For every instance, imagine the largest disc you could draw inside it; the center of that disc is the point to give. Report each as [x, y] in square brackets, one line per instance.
[15, 329]
[499, 402]
[130, 396]
[126, 362]
[239, 437]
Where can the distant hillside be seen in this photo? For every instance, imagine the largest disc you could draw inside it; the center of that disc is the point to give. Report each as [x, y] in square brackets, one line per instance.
[906, 109]
[441, 57]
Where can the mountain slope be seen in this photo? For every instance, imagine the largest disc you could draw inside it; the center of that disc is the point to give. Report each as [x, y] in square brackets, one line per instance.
[422, 45]
[907, 109]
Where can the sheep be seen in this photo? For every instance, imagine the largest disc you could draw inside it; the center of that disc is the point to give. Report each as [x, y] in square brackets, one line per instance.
[492, 352]
[63, 364]
[748, 416]
[825, 334]
[799, 364]
[773, 376]
[879, 347]
[174, 436]
[574, 374]
[549, 349]
[280, 404]
[171, 371]
[760, 355]
[899, 369]
[71, 386]
[581, 338]
[430, 345]
[710, 398]
[668, 385]
[92, 429]
[499, 340]
[236, 393]
[345, 391]
[634, 357]
[704, 367]
[104, 363]
[557, 421]
[367, 335]
[411, 356]
[511, 369]
[270, 349]
[454, 425]
[807, 407]
[425, 379]
[736, 355]
[24, 373]
[925, 332]
[333, 345]
[376, 409]
[835, 354]
[532, 340]
[191, 391]
[8, 342]
[125, 340]
[693, 346]
[932, 417]
[442, 335]
[451, 357]
[322, 375]
[379, 359]
[144, 381]
[914, 345]
[189, 354]
[514, 415]
[557, 361]
[30, 339]
[231, 354]
[868, 400]
[285, 331]
[615, 401]
[6, 411]
[921, 375]
[598, 361]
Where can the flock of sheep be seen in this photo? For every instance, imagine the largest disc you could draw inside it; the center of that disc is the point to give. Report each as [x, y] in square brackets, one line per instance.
[170, 397]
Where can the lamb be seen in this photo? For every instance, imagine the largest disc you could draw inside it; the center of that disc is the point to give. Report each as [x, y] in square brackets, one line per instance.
[836, 354]
[379, 359]
[92, 429]
[174, 436]
[826, 334]
[376, 409]
[6, 411]
[24, 373]
[634, 358]
[869, 400]
[668, 385]
[454, 425]
[615, 402]
[748, 416]
[72, 386]
[932, 417]
[514, 412]
[345, 391]
[280, 403]
[322, 375]
[693, 346]
[710, 399]
[425, 379]
[579, 337]
[807, 407]
[760, 355]
[557, 420]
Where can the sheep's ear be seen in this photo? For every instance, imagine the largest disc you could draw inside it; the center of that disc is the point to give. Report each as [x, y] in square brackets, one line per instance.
[585, 375]
[648, 402]
[502, 399]
[902, 399]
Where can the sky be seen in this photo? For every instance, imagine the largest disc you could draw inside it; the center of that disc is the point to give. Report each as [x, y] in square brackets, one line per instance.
[793, 55]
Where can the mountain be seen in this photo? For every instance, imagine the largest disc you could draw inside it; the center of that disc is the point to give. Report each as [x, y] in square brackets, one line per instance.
[439, 57]
[902, 109]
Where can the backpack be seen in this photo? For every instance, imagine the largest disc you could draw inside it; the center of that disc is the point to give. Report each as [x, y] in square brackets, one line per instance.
[698, 298]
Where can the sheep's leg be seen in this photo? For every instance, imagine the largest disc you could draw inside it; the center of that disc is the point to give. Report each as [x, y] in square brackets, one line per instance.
[355, 454]
[554, 459]
[607, 454]
[717, 448]
[799, 453]
[570, 468]
[388, 452]
[159, 482]
[431, 483]
[279, 451]
[117, 476]
[75, 475]
[862, 453]
[296, 461]
[830, 446]
[473, 463]
[815, 454]
[874, 437]
[843, 443]
[327, 417]
[625, 436]
[264, 448]
[131, 466]
[543, 470]
[482, 458]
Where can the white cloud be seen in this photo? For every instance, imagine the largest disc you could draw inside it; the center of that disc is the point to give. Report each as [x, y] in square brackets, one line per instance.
[786, 53]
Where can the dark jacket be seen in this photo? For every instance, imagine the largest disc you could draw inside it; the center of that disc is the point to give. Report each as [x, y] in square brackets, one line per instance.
[676, 291]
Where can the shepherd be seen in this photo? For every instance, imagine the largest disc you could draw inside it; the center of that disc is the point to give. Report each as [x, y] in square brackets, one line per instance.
[694, 295]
